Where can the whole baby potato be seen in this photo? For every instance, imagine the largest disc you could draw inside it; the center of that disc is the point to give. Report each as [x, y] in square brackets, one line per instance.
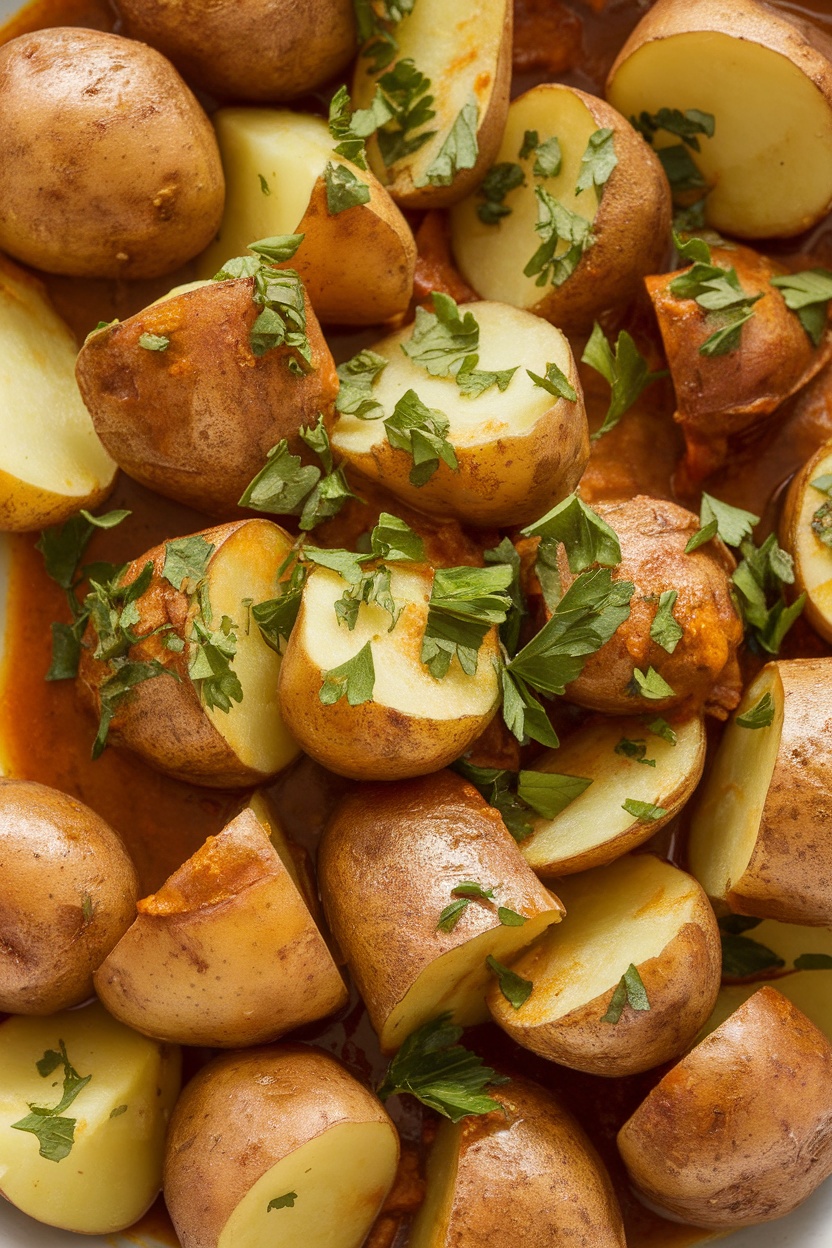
[110, 166]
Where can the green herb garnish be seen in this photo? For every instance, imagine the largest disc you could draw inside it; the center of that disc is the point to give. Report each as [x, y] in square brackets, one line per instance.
[54, 1132]
[630, 991]
[439, 1072]
[625, 369]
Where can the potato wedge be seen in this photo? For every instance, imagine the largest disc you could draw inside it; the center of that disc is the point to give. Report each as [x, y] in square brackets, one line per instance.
[765, 77]
[616, 756]
[173, 721]
[357, 264]
[805, 533]
[637, 911]
[629, 214]
[196, 419]
[519, 448]
[215, 956]
[389, 861]
[740, 1130]
[277, 1145]
[527, 1175]
[467, 63]
[409, 723]
[760, 835]
[99, 1172]
[52, 460]
[248, 49]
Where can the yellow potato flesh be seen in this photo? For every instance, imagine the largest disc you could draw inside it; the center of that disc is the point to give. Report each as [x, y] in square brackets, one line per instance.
[627, 912]
[597, 816]
[47, 440]
[813, 557]
[402, 683]
[114, 1169]
[508, 338]
[770, 158]
[430, 1227]
[340, 1179]
[492, 257]
[727, 817]
[243, 568]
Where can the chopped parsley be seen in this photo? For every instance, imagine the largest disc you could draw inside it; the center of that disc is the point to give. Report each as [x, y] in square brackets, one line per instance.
[154, 342]
[442, 340]
[808, 294]
[625, 369]
[343, 189]
[635, 750]
[548, 158]
[464, 893]
[650, 685]
[585, 537]
[555, 382]
[548, 793]
[420, 432]
[406, 93]
[498, 182]
[285, 486]
[432, 1066]
[514, 988]
[630, 991]
[473, 381]
[551, 264]
[597, 162]
[351, 128]
[353, 680]
[357, 377]
[681, 169]
[54, 1132]
[644, 811]
[718, 291]
[760, 715]
[821, 522]
[376, 20]
[465, 603]
[665, 629]
[287, 1201]
[459, 150]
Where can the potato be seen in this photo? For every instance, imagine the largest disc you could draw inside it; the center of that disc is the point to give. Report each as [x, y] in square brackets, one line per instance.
[629, 222]
[215, 956]
[701, 669]
[277, 1145]
[252, 50]
[111, 167]
[740, 1130]
[411, 723]
[595, 828]
[196, 420]
[720, 396]
[52, 461]
[112, 1168]
[518, 452]
[526, 1175]
[467, 63]
[168, 720]
[805, 533]
[765, 77]
[69, 893]
[761, 836]
[388, 863]
[638, 911]
[357, 264]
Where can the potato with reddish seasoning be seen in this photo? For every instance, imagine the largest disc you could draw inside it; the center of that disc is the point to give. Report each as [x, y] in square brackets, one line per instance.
[111, 168]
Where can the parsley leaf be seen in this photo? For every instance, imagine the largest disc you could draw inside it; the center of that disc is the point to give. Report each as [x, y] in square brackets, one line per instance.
[626, 371]
[703, 535]
[682, 172]
[357, 377]
[343, 189]
[550, 264]
[523, 715]
[351, 127]
[55, 1134]
[464, 892]
[373, 587]
[821, 523]
[733, 524]
[597, 162]
[276, 249]
[555, 382]
[506, 553]
[279, 292]
[154, 342]
[497, 183]
[718, 291]
[458, 151]
[286, 1201]
[465, 603]
[547, 158]
[548, 793]
[395, 541]
[759, 582]
[813, 962]
[635, 750]
[644, 811]
[264, 186]
[406, 93]
[743, 957]
[665, 630]
[760, 715]
[808, 294]
[514, 988]
[63, 545]
[586, 538]
[442, 340]
[186, 559]
[630, 991]
[650, 685]
[441, 1073]
[473, 381]
[661, 728]
[211, 654]
[420, 432]
[354, 679]
[282, 484]
[498, 787]
[530, 141]
[374, 18]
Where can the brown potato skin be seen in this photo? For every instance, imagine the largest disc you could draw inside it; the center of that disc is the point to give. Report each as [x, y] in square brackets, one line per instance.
[196, 421]
[111, 166]
[703, 670]
[242, 1114]
[788, 532]
[249, 49]
[530, 1176]
[389, 857]
[69, 893]
[740, 1130]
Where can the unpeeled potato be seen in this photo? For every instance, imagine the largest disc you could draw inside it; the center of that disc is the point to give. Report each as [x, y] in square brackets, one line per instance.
[804, 533]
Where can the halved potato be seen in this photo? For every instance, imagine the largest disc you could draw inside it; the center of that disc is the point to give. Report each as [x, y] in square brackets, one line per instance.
[616, 756]
[740, 1130]
[629, 222]
[388, 863]
[761, 838]
[765, 77]
[411, 723]
[166, 719]
[277, 1146]
[51, 461]
[519, 450]
[111, 1170]
[357, 265]
[527, 1175]
[805, 518]
[215, 956]
[638, 911]
[466, 55]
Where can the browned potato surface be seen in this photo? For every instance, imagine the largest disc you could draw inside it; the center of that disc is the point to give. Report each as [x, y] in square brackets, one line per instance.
[806, 533]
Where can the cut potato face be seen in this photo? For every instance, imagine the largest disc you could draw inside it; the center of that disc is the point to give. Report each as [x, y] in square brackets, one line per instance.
[806, 518]
[519, 449]
[52, 460]
[639, 912]
[357, 265]
[769, 90]
[616, 756]
[468, 64]
[412, 723]
[112, 1170]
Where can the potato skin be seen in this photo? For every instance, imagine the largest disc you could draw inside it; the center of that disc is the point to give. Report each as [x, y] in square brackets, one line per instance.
[792, 519]
[740, 1130]
[111, 166]
[242, 1114]
[196, 421]
[703, 670]
[249, 49]
[69, 894]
